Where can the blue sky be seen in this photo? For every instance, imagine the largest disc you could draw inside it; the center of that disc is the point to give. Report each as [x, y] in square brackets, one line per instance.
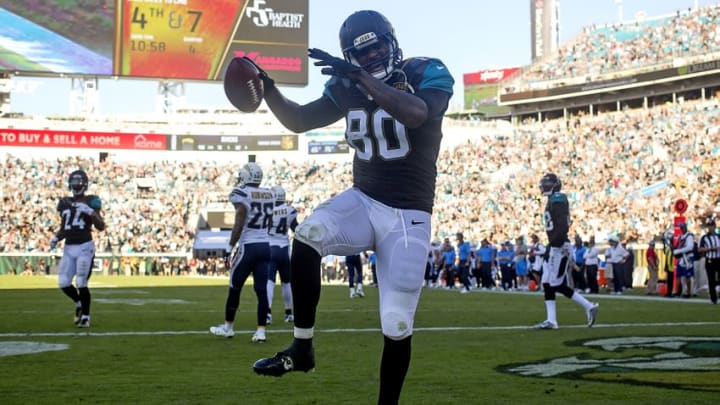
[468, 35]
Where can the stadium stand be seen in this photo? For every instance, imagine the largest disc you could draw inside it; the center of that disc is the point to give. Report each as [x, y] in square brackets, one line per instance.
[602, 52]
[621, 169]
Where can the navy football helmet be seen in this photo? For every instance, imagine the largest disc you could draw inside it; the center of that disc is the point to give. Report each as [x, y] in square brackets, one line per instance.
[364, 32]
[550, 183]
[78, 182]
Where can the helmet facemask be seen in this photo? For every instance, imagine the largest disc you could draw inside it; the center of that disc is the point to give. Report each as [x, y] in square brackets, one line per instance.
[77, 183]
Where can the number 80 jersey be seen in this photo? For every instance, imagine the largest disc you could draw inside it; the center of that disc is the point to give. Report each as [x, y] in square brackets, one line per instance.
[394, 164]
[259, 203]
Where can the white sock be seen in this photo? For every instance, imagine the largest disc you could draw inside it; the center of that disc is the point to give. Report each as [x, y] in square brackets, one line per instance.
[551, 311]
[581, 300]
[303, 333]
[270, 292]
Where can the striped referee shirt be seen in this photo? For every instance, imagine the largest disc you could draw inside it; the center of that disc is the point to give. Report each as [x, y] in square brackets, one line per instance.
[712, 241]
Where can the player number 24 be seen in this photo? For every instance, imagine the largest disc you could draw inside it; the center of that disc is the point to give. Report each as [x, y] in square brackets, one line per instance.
[390, 135]
[72, 219]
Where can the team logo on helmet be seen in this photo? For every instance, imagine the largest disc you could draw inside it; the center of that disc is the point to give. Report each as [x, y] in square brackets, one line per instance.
[254, 173]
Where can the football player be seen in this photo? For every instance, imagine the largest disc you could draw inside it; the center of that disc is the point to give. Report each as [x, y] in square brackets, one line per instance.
[284, 218]
[556, 219]
[355, 275]
[536, 258]
[249, 248]
[393, 108]
[78, 214]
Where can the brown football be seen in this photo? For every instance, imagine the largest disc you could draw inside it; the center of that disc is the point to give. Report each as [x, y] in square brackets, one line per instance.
[243, 86]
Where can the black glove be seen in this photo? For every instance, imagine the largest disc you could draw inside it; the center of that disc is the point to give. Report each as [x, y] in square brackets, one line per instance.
[267, 80]
[337, 66]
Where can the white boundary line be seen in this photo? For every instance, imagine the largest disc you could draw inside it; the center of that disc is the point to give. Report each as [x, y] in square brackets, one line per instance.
[351, 330]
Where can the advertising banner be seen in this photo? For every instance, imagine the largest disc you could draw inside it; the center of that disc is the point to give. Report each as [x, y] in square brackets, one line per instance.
[80, 139]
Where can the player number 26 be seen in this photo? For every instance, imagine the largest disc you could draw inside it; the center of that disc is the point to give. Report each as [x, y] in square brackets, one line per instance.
[390, 135]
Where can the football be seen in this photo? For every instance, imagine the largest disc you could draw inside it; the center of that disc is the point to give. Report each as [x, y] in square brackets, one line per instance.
[243, 86]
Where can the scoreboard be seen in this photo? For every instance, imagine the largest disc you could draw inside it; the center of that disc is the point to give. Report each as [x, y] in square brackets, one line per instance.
[160, 39]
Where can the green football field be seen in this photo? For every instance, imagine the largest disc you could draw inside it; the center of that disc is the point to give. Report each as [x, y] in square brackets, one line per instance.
[149, 344]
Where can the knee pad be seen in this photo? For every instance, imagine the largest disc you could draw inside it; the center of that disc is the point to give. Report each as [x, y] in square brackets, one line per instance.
[395, 325]
[312, 234]
[81, 281]
[84, 267]
[64, 280]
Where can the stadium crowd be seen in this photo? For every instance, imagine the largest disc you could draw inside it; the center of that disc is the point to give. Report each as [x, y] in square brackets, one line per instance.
[601, 51]
[622, 171]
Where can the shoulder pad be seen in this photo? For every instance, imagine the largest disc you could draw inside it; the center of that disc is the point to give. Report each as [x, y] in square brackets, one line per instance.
[94, 202]
[64, 203]
[239, 193]
[558, 197]
[428, 73]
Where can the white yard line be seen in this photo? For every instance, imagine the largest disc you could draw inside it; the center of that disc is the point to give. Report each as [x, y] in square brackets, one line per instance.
[356, 330]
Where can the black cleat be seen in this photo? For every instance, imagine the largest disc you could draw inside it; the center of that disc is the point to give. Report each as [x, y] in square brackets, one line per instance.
[285, 362]
[78, 315]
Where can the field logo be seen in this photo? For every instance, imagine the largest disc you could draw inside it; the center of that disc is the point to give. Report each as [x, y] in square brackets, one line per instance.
[663, 361]
[17, 348]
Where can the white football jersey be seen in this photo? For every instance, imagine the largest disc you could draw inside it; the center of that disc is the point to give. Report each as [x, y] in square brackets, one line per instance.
[283, 217]
[259, 203]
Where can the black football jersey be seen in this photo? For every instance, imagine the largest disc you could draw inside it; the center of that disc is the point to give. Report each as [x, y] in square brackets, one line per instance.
[557, 219]
[76, 226]
[393, 164]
